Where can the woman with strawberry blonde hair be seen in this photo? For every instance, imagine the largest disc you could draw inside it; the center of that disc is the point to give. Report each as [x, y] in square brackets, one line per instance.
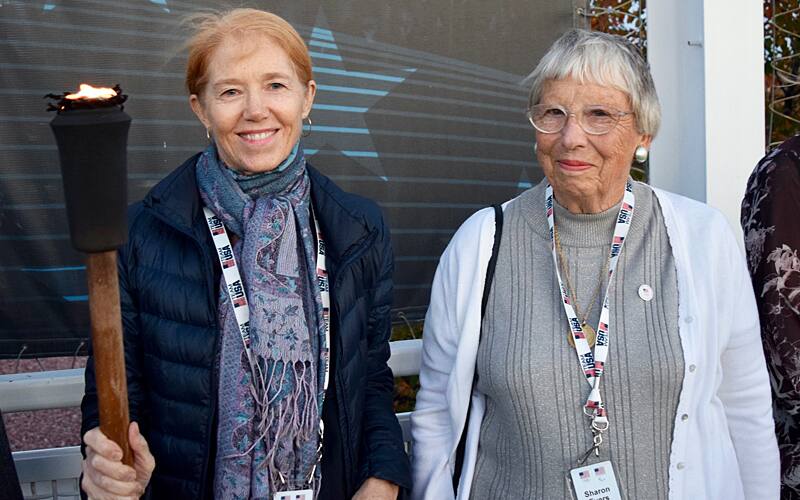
[255, 297]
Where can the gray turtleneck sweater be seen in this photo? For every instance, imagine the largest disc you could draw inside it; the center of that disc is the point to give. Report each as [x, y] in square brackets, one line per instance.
[534, 429]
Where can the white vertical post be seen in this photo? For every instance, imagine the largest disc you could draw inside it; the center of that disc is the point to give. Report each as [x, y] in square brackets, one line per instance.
[707, 61]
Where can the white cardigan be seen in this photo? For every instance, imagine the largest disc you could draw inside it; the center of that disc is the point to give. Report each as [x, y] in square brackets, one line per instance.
[725, 449]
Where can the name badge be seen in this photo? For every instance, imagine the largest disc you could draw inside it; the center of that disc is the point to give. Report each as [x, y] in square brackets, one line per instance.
[595, 482]
[294, 495]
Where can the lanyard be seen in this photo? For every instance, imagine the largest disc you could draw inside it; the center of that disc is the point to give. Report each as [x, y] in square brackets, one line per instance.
[593, 362]
[233, 282]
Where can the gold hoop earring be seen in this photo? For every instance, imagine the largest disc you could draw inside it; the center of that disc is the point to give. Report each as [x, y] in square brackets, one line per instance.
[640, 154]
[208, 134]
[307, 132]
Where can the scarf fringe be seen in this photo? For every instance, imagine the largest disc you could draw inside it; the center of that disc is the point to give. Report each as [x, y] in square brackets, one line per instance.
[296, 415]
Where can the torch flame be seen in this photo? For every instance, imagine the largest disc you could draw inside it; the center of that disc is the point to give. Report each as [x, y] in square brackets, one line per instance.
[89, 92]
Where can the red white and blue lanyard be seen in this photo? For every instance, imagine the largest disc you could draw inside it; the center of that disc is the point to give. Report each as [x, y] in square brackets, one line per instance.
[233, 280]
[593, 363]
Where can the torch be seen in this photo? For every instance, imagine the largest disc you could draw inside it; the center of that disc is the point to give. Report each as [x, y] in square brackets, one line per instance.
[91, 131]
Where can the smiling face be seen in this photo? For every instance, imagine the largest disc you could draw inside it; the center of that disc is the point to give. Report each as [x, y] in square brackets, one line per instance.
[253, 104]
[588, 172]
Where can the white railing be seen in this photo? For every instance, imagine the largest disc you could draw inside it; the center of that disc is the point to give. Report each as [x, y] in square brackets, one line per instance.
[53, 473]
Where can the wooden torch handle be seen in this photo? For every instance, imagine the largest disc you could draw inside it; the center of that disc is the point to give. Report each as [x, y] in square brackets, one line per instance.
[107, 347]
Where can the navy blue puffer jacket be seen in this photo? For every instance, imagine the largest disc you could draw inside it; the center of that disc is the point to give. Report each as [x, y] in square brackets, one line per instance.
[169, 281]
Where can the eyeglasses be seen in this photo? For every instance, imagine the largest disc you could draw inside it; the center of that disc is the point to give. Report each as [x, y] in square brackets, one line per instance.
[594, 119]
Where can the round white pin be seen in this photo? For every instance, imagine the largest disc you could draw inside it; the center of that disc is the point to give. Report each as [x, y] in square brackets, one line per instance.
[646, 293]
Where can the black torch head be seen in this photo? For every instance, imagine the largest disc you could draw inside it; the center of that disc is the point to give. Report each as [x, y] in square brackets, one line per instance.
[92, 140]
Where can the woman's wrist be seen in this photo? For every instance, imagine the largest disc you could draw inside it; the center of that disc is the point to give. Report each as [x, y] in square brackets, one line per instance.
[377, 489]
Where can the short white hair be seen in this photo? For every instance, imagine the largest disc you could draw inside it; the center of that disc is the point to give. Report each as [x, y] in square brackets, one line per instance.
[603, 59]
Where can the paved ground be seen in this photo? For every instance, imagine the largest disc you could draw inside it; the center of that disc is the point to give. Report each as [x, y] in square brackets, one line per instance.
[31, 430]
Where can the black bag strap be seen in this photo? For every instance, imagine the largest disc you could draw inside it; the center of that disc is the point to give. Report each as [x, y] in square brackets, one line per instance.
[487, 285]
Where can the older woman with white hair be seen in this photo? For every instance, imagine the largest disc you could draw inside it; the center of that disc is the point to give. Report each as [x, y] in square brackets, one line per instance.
[603, 341]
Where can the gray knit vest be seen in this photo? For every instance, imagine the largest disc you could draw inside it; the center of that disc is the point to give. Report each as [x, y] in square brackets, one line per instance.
[534, 428]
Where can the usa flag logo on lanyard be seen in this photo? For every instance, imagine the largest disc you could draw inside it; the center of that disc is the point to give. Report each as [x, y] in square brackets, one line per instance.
[215, 225]
[226, 257]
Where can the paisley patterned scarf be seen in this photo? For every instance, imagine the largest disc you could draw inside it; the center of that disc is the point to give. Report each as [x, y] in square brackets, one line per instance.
[269, 409]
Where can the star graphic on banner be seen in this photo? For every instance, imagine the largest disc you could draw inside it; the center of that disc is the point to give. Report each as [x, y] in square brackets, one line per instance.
[162, 3]
[346, 96]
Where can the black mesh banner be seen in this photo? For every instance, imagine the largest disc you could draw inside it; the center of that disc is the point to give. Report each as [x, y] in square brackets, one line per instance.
[419, 106]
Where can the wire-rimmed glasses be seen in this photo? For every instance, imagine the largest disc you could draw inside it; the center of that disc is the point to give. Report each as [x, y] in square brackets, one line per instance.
[593, 119]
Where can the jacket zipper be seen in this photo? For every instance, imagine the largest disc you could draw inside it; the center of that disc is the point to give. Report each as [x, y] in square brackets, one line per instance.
[214, 375]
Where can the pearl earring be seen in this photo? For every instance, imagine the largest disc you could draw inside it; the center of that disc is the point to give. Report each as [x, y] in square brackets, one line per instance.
[640, 154]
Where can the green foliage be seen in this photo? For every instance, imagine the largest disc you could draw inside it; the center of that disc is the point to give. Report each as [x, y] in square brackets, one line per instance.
[405, 388]
[405, 393]
[782, 69]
